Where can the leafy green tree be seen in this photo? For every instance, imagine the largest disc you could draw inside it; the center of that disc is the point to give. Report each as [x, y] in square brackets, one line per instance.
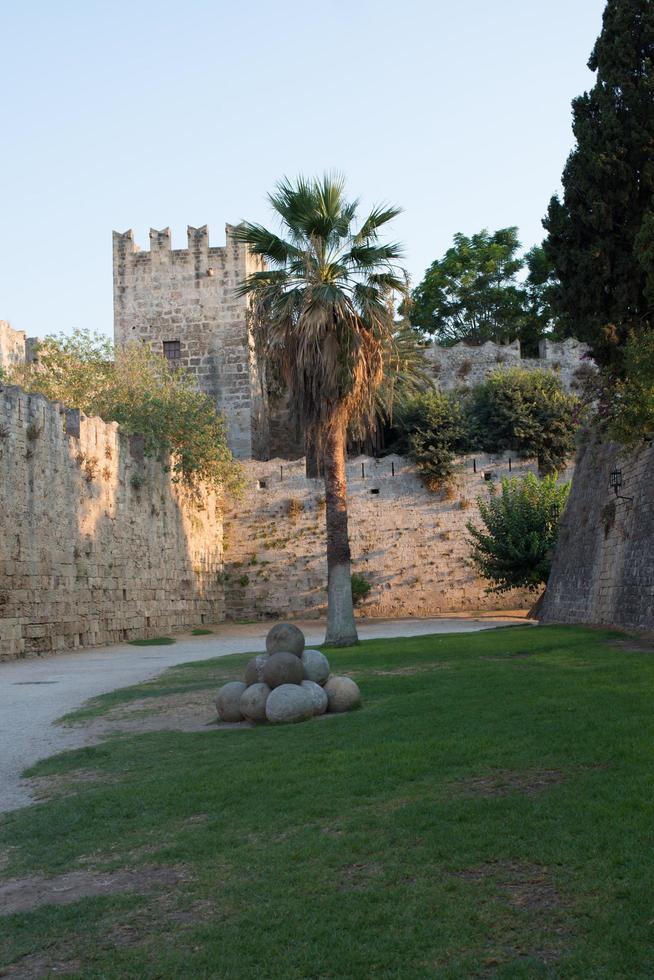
[473, 293]
[431, 428]
[513, 548]
[140, 390]
[325, 314]
[626, 404]
[542, 288]
[527, 412]
[600, 234]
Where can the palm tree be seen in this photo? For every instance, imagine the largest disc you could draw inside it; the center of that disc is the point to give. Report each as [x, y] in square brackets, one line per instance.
[324, 301]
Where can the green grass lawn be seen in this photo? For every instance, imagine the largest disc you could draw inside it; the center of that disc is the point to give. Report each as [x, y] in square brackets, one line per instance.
[489, 813]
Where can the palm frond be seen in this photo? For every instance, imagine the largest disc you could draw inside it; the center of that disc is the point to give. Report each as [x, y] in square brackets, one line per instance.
[325, 313]
[265, 243]
[378, 216]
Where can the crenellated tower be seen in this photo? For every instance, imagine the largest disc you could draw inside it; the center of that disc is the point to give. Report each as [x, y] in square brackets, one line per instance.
[184, 304]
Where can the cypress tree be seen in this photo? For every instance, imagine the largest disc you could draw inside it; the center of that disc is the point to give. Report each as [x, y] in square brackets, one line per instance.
[601, 235]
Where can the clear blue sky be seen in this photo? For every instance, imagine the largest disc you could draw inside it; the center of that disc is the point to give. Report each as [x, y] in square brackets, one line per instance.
[118, 115]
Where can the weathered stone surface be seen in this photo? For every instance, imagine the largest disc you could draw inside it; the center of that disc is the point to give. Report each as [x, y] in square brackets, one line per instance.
[316, 666]
[97, 544]
[253, 702]
[288, 703]
[283, 668]
[603, 566]
[254, 668]
[285, 638]
[188, 296]
[318, 697]
[408, 541]
[343, 694]
[228, 701]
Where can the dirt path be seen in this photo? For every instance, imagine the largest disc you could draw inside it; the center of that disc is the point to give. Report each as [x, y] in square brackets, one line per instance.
[34, 693]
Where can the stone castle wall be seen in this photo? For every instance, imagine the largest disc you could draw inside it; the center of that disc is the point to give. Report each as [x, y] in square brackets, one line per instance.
[189, 295]
[463, 367]
[97, 545]
[408, 542]
[603, 568]
[13, 346]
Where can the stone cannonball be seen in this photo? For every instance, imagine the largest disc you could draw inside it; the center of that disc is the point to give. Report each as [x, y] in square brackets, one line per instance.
[316, 666]
[289, 703]
[253, 702]
[343, 694]
[228, 701]
[254, 669]
[285, 638]
[318, 697]
[283, 668]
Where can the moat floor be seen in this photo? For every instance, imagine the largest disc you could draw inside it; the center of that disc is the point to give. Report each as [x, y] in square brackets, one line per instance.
[35, 693]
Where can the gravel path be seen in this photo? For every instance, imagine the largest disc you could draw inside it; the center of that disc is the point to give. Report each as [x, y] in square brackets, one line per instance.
[34, 693]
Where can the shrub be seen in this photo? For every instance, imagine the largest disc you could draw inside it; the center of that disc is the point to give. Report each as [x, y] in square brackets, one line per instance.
[432, 428]
[513, 548]
[627, 403]
[361, 588]
[145, 394]
[527, 412]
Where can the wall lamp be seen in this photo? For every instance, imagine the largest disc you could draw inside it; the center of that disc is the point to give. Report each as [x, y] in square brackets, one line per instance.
[615, 484]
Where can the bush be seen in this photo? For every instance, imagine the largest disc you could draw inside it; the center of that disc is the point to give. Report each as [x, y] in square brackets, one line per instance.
[627, 403]
[361, 588]
[431, 428]
[513, 549]
[140, 390]
[527, 412]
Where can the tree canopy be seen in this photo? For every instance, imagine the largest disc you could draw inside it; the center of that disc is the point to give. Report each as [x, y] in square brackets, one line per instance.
[475, 293]
[601, 233]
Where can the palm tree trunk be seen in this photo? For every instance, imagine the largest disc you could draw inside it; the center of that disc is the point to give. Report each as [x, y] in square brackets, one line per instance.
[341, 630]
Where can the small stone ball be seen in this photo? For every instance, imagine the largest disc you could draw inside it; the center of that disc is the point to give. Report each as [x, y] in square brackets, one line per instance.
[283, 668]
[318, 697]
[253, 702]
[228, 701]
[316, 666]
[289, 703]
[343, 694]
[254, 669]
[285, 638]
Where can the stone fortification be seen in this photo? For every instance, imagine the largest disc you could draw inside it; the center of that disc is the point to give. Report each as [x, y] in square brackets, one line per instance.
[97, 545]
[184, 303]
[603, 569]
[409, 542]
[463, 367]
[15, 347]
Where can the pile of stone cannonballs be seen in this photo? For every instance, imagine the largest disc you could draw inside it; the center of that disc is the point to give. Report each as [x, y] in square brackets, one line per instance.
[286, 684]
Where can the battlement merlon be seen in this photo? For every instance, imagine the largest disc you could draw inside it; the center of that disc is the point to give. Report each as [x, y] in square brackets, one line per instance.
[160, 242]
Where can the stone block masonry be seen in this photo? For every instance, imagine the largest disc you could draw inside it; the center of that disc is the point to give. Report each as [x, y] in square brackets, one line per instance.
[15, 347]
[97, 544]
[184, 303]
[603, 568]
[461, 366]
[410, 543]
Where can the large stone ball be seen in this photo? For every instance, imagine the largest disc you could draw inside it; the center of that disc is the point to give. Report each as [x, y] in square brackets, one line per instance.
[228, 701]
[283, 668]
[318, 697]
[253, 702]
[343, 694]
[289, 703]
[316, 666]
[254, 669]
[285, 638]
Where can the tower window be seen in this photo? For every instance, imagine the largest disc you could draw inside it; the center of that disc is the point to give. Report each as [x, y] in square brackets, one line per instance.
[172, 351]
